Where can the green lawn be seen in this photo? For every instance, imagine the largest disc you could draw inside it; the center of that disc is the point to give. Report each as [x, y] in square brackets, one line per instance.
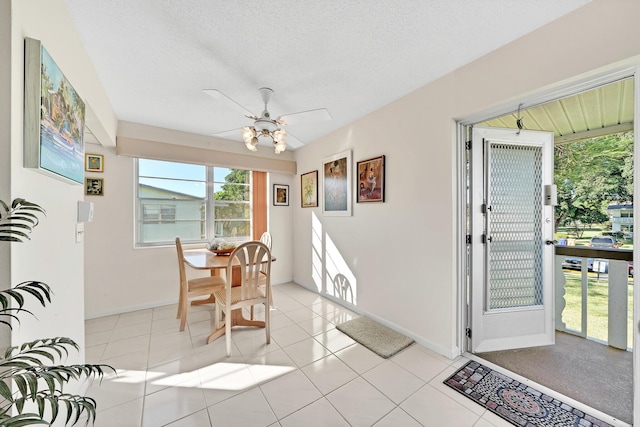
[597, 306]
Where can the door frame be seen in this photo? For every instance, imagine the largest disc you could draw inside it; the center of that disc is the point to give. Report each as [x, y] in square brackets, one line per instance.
[572, 86]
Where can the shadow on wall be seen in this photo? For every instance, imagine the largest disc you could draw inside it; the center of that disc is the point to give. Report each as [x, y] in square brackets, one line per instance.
[330, 272]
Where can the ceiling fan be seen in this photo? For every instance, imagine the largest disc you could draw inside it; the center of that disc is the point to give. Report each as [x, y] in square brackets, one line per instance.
[266, 126]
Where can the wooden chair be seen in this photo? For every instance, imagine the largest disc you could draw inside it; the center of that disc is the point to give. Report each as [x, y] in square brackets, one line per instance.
[193, 287]
[252, 257]
[266, 239]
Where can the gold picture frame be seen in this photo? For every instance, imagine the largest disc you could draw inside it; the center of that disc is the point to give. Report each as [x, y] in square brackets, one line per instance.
[94, 186]
[93, 162]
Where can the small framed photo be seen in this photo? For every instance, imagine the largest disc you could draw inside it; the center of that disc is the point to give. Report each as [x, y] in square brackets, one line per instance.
[370, 186]
[94, 187]
[309, 189]
[93, 162]
[280, 195]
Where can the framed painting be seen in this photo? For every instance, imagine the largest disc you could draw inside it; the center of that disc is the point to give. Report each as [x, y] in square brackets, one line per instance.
[93, 162]
[54, 118]
[336, 184]
[94, 187]
[309, 189]
[370, 186]
[280, 195]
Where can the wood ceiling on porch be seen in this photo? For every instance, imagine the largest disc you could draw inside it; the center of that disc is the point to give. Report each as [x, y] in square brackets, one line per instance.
[601, 111]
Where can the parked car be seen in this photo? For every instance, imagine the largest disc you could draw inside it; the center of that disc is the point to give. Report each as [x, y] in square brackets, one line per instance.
[603, 242]
[575, 263]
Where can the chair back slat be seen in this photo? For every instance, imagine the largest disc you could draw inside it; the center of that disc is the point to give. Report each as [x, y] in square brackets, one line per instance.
[252, 257]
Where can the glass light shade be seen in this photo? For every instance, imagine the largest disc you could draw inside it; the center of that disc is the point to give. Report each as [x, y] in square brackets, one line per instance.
[280, 146]
[279, 135]
[248, 133]
[251, 144]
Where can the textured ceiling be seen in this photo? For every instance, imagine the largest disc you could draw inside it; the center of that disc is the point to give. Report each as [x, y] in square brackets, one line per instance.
[154, 57]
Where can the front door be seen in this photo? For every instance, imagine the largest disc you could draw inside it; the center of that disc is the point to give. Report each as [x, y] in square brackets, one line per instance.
[512, 252]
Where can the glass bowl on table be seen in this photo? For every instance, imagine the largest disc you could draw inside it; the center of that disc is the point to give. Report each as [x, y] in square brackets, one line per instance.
[221, 247]
[222, 252]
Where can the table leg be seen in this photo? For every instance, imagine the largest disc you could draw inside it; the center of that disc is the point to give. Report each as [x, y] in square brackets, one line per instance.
[237, 319]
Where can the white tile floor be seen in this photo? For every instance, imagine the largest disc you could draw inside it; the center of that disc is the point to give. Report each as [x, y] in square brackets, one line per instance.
[310, 375]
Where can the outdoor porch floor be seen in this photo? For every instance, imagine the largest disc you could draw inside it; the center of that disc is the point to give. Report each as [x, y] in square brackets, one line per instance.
[585, 370]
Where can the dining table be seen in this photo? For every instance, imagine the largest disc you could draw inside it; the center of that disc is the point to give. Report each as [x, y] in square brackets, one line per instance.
[204, 259]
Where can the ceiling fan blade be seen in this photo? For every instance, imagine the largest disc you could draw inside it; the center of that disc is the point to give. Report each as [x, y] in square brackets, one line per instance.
[229, 133]
[293, 142]
[216, 94]
[316, 115]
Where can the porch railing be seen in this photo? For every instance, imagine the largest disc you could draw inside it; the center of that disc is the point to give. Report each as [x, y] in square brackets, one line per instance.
[618, 277]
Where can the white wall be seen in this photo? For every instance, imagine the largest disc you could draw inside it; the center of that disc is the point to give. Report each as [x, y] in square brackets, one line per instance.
[52, 256]
[402, 253]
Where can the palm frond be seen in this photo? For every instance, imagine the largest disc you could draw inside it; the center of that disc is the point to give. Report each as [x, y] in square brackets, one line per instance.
[75, 406]
[12, 300]
[21, 215]
[48, 348]
[21, 420]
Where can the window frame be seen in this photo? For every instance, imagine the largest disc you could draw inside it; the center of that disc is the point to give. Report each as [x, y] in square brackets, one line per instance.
[209, 203]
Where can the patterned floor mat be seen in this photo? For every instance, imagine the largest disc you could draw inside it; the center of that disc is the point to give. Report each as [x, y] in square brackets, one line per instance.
[516, 402]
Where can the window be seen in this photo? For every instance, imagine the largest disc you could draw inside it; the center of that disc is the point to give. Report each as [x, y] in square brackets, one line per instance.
[195, 202]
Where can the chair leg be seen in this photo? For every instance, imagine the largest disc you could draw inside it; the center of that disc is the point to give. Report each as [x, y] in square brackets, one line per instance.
[179, 305]
[267, 324]
[216, 316]
[183, 313]
[227, 332]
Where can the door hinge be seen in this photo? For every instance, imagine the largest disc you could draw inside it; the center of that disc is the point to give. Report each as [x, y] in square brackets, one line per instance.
[467, 145]
[468, 332]
[468, 239]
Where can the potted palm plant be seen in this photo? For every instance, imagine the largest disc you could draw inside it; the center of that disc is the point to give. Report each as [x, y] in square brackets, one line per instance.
[32, 378]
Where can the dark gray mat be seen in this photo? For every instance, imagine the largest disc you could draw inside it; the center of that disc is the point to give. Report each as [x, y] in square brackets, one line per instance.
[383, 341]
[589, 372]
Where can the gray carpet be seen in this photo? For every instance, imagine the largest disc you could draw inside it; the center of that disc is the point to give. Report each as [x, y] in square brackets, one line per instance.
[589, 372]
[383, 341]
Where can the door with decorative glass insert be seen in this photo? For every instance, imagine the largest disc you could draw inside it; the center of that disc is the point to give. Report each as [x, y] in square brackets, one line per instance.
[512, 248]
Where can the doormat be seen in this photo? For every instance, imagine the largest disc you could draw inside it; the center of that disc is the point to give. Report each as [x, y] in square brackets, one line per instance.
[383, 341]
[517, 403]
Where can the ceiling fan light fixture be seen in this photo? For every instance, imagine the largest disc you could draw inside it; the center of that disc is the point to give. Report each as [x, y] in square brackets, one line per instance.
[251, 144]
[248, 133]
[279, 140]
[250, 138]
[280, 147]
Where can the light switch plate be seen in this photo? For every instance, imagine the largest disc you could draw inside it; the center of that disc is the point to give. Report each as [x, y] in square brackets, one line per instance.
[79, 232]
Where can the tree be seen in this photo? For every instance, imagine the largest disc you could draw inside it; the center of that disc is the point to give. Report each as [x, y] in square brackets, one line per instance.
[590, 174]
[235, 213]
